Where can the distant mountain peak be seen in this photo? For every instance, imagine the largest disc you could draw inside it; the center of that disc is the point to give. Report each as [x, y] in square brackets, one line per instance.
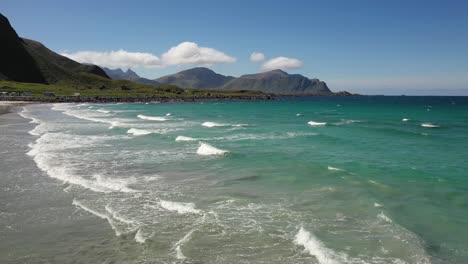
[119, 74]
[131, 73]
[278, 82]
[199, 78]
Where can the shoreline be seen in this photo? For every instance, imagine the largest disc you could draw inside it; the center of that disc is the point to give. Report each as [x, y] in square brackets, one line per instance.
[118, 99]
[7, 106]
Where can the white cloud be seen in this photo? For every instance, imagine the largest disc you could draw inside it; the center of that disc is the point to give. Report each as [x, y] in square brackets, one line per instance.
[190, 53]
[119, 58]
[185, 53]
[282, 63]
[257, 56]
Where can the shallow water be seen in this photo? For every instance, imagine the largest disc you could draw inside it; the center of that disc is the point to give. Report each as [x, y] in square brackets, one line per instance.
[313, 180]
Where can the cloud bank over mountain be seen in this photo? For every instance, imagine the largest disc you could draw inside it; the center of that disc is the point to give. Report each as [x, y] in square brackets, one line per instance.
[282, 63]
[257, 56]
[185, 53]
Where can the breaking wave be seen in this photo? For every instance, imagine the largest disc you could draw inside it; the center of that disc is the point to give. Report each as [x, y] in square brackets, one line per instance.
[181, 208]
[313, 123]
[207, 150]
[429, 125]
[183, 138]
[152, 118]
[315, 247]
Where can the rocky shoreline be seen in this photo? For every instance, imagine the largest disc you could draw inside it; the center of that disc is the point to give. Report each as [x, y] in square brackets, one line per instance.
[119, 99]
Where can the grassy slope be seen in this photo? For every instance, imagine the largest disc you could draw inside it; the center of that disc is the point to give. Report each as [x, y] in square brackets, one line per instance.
[92, 85]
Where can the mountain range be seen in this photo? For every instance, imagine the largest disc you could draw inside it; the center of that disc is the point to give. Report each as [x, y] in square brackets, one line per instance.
[29, 61]
[275, 81]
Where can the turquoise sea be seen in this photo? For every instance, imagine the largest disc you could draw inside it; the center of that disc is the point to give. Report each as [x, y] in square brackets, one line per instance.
[310, 180]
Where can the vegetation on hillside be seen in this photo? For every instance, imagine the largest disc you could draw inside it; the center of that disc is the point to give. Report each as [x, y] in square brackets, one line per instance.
[89, 85]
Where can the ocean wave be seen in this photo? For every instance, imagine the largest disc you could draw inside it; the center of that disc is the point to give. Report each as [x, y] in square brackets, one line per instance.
[143, 132]
[141, 237]
[103, 111]
[207, 150]
[313, 123]
[138, 132]
[115, 184]
[116, 215]
[315, 247]
[88, 115]
[177, 246]
[429, 125]
[25, 113]
[183, 138]
[239, 137]
[330, 168]
[181, 208]
[347, 122]
[48, 156]
[405, 119]
[38, 130]
[214, 124]
[100, 215]
[383, 217]
[152, 118]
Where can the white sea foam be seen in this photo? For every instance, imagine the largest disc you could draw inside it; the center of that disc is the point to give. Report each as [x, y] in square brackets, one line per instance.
[298, 114]
[177, 246]
[315, 247]
[114, 184]
[183, 138]
[313, 123]
[238, 137]
[181, 208]
[213, 124]
[38, 130]
[26, 114]
[47, 153]
[152, 118]
[116, 215]
[116, 124]
[140, 237]
[71, 110]
[383, 217]
[347, 122]
[103, 111]
[168, 114]
[138, 132]
[207, 150]
[98, 214]
[377, 205]
[430, 125]
[334, 169]
[405, 120]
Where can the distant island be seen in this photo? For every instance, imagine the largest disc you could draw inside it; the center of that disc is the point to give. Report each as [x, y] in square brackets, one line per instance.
[29, 69]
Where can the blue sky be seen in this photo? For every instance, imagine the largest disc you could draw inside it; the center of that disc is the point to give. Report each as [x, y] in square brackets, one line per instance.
[375, 47]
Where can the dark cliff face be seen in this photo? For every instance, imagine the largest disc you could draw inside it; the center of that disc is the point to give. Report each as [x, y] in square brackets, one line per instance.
[278, 82]
[25, 60]
[16, 63]
[198, 78]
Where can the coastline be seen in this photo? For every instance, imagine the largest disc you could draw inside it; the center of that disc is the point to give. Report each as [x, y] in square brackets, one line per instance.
[12, 100]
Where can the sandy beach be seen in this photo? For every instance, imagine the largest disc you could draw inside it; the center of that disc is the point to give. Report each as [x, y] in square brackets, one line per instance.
[5, 106]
